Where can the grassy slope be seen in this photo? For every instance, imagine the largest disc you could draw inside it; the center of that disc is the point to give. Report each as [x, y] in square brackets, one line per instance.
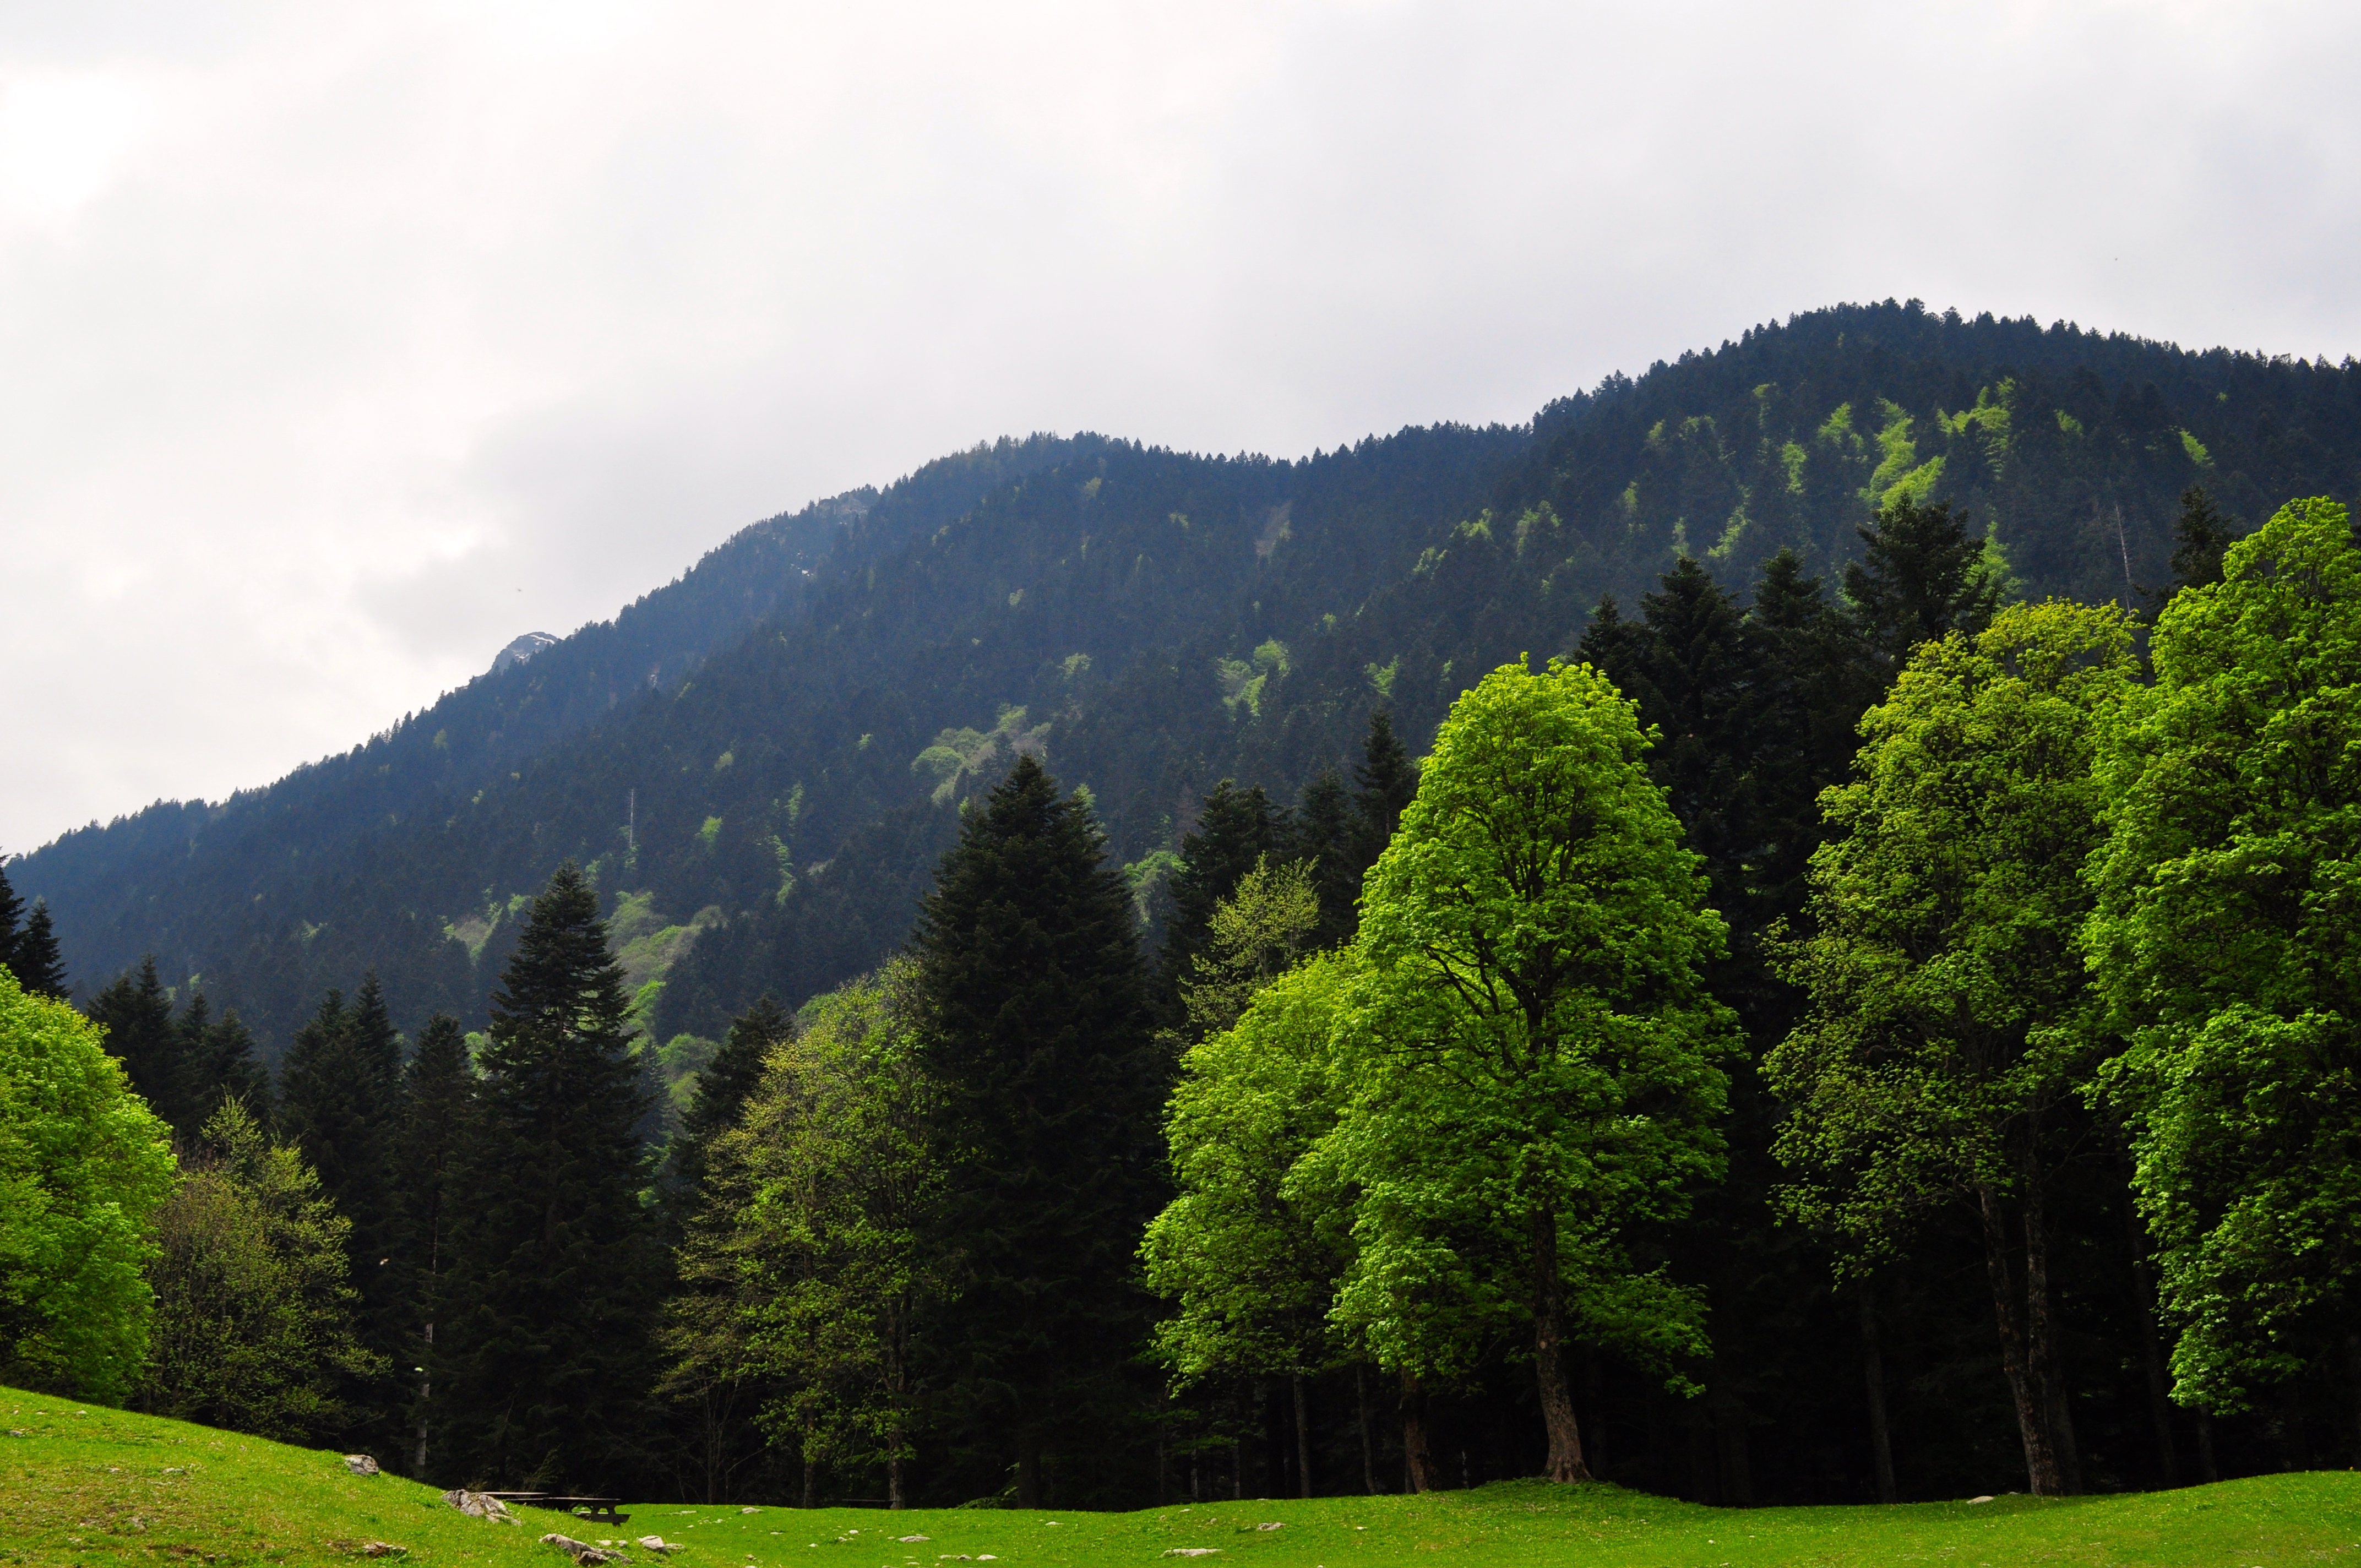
[93, 1485]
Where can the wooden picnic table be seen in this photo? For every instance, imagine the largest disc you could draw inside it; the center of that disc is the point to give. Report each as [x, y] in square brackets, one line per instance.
[597, 1510]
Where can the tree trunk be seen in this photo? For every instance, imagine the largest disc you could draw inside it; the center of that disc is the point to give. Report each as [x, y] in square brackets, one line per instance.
[2159, 1391]
[1565, 1462]
[1872, 1373]
[425, 1388]
[2207, 1471]
[1418, 1460]
[811, 1478]
[2031, 1400]
[2352, 1366]
[1369, 1450]
[2041, 1329]
[1302, 1438]
[1029, 1470]
[893, 1469]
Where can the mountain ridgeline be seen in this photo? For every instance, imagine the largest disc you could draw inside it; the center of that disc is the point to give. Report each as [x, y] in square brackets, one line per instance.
[761, 765]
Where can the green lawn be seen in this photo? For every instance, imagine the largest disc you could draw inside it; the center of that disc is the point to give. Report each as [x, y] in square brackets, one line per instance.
[84, 1485]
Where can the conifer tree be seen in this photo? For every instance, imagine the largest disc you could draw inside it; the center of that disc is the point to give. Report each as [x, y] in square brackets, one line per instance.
[556, 1270]
[1383, 783]
[2202, 536]
[136, 1013]
[438, 1103]
[1921, 577]
[723, 1089]
[1324, 836]
[340, 1106]
[227, 1068]
[1036, 1033]
[1235, 828]
[12, 916]
[38, 965]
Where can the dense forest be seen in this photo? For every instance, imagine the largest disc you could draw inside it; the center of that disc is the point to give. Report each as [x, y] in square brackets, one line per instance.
[1741, 939]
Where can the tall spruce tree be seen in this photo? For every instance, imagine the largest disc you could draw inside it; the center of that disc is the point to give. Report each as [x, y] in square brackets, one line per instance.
[722, 1091]
[1384, 782]
[437, 1109]
[1037, 1029]
[227, 1068]
[556, 1267]
[136, 1013]
[339, 1104]
[39, 968]
[1921, 577]
[1324, 836]
[1235, 828]
[11, 916]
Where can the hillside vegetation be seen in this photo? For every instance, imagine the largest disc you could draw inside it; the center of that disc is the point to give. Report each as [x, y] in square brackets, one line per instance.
[1163, 620]
[89, 1485]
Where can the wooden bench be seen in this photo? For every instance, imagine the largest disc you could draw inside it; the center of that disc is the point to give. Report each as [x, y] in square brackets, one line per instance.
[597, 1510]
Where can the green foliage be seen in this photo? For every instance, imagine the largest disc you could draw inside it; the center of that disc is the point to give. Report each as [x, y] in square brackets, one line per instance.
[83, 1164]
[256, 1317]
[1922, 576]
[805, 1264]
[1531, 1061]
[1937, 1062]
[1946, 910]
[1248, 1250]
[2227, 946]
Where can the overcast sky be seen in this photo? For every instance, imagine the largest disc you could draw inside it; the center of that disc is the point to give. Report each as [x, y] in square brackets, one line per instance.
[340, 343]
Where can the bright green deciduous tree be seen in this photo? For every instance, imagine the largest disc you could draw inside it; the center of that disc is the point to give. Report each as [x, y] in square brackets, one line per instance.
[1531, 1062]
[1251, 1249]
[256, 1314]
[805, 1265]
[1934, 1065]
[83, 1164]
[2227, 946]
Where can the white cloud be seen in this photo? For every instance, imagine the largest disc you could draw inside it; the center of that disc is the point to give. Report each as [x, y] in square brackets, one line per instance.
[344, 343]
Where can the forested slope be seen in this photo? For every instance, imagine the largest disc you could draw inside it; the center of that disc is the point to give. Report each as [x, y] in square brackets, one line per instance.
[795, 766]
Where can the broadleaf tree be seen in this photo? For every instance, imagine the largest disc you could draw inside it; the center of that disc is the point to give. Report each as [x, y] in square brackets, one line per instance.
[1533, 1060]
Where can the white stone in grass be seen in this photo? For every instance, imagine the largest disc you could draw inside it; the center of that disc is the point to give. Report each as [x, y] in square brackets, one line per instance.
[1979, 1499]
[360, 1465]
[1275, 1524]
[909, 1538]
[1191, 1550]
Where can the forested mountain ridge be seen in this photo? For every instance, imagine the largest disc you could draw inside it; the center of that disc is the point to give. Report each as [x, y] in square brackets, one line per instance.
[1162, 621]
[158, 879]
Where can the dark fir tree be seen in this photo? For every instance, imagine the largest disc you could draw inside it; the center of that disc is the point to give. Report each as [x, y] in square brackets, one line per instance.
[1384, 782]
[437, 1110]
[12, 918]
[38, 965]
[1921, 577]
[136, 1013]
[2201, 536]
[722, 1090]
[1323, 837]
[1235, 828]
[339, 1101]
[1037, 1031]
[221, 1061]
[555, 1269]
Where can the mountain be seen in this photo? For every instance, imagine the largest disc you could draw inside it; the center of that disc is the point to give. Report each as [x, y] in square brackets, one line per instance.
[761, 763]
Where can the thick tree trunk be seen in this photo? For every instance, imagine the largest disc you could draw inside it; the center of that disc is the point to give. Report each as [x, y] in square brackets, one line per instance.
[1564, 1462]
[2207, 1471]
[2159, 1389]
[1418, 1460]
[2031, 1400]
[2041, 1330]
[1029, 1470]
[811, 1479]
[1368, 1449]
[1872, 1373]
[1302, 1438]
